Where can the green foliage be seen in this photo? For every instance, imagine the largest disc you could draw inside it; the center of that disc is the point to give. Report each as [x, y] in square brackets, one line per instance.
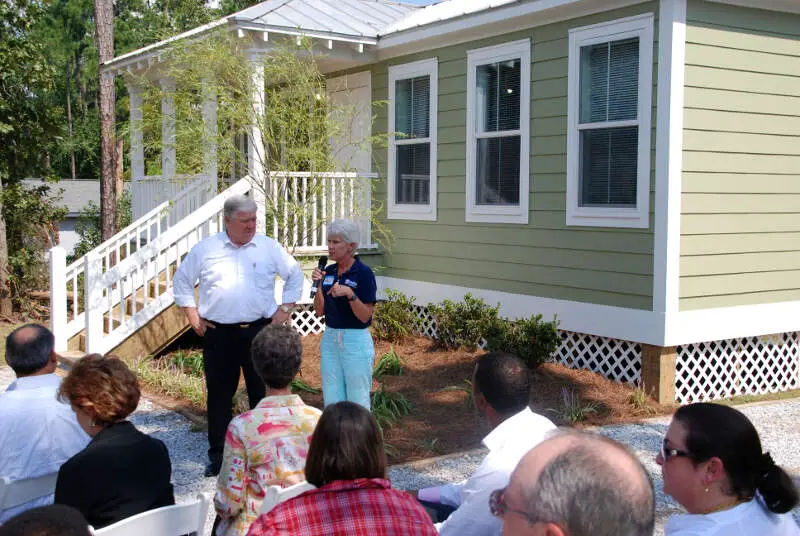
[168, 379]
[572, 409]
[32, 216]
[531, 339]
[298, 385]
[463, 324]
[388, 407]
[389, 364]
[394, 318]
[465, 388]
[189, 361]
[639, 399]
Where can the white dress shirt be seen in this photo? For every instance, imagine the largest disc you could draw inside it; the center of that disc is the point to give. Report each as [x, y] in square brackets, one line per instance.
[37, 433]
[507, 444]
[237, 284]
[746, 519]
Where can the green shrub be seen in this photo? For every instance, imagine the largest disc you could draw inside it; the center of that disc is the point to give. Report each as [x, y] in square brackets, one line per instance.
[389, 364]
[394, 318]
[530, 339]
[190, 362]
[388, 407]
[298, 385]
[463, 324]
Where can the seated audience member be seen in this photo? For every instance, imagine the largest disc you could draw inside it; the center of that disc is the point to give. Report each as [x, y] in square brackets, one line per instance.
[713, 465]
[37, 432]
[501, 389]
[577, 484]
[122, 472]
[51, 520]
[267, 445]
[347, 464]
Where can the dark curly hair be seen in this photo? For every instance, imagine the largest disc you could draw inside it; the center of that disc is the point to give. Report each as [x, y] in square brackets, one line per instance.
[277, 353]
[103, 383]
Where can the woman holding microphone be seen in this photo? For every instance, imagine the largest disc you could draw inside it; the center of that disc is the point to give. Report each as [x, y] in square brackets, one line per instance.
[346, 297]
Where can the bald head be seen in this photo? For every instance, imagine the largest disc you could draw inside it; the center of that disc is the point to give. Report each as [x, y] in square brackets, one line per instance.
[29, 350]
[585, 485]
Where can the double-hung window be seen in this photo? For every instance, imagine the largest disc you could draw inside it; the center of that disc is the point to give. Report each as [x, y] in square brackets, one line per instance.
[498, 133]
[412, 140]
[608, 141]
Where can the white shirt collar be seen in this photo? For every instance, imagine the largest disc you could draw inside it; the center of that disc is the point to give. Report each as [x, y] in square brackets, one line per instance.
[228, 242]
[35, 382]
[507, 429]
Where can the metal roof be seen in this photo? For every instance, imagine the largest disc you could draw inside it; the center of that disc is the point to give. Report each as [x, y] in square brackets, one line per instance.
[75, 195]
[446, 10]
[364, 18]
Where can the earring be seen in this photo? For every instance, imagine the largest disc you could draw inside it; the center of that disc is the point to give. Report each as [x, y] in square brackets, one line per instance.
[93, 424]
[707, 490]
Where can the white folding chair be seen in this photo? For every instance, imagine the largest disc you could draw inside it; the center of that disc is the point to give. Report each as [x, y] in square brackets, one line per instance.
[17, 492]
[172, 520]
[276, 495]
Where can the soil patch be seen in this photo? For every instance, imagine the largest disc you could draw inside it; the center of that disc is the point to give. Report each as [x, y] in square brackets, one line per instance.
[443, 420]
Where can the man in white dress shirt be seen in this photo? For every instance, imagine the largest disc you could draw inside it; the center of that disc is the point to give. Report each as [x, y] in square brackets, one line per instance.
[577, 484]
[38, 433]
[236, 272]
[501, 385]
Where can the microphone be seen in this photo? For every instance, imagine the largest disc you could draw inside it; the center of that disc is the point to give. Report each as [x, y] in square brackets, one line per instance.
[323, 261]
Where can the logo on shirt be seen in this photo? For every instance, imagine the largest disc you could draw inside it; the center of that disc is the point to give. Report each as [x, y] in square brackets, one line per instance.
[328, 281]
[350, 283]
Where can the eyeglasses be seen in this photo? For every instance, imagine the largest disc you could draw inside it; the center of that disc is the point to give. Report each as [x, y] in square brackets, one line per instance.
[667, 453]
[498, 507]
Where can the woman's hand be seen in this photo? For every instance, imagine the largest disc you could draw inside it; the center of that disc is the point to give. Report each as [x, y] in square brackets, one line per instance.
[337, 291]
[317, 275]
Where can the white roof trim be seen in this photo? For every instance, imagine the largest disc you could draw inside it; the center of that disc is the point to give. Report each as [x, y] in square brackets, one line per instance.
[789, 6]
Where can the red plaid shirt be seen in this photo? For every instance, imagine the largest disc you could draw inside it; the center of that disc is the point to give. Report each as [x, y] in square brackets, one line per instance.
[362, 507]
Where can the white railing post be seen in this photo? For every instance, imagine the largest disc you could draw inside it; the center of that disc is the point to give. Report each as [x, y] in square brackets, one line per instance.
[93, 295]
[58, 297]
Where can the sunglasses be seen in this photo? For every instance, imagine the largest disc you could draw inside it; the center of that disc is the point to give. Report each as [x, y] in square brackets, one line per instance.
[499, 507]
[667, 453]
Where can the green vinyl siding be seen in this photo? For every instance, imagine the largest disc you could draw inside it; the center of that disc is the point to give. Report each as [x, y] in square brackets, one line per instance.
[545, 257]
[740, 202]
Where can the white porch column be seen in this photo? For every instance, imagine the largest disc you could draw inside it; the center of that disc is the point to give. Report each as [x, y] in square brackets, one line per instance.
[210, 136]
[256, 152]
[58, 297]
[168, 149]
[137, 141]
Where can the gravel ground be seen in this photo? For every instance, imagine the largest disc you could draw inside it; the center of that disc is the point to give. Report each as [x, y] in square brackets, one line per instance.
[776, 423]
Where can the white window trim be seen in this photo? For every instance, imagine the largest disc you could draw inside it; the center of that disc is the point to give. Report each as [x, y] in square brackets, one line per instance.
[500, 214]
[394, 210]
[642, 27]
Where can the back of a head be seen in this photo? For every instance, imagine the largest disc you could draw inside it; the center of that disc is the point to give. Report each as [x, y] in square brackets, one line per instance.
[277, 354]
[346, 445]
[103, 383]
[714, 430]
[504, 381]
[595, 487]
[29, 348]
[51, 520]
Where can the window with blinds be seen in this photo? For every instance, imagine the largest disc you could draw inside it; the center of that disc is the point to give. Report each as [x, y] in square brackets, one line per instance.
[609, 85]
[609, 115]
[412, 140]
[498, 133]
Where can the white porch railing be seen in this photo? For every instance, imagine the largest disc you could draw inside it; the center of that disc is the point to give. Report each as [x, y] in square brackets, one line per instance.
[302, 202]
[131, 263]
[150, 191]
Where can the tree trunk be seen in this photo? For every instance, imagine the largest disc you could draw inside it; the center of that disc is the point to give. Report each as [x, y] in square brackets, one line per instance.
[104, 21]
[5, 291]
[67, 66]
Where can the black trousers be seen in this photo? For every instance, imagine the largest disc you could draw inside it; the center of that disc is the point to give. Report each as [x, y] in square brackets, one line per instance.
[226, 350]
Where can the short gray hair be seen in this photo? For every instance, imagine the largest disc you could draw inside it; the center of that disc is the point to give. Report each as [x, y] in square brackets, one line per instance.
[239, 203]
[346, 230]
[585, 495]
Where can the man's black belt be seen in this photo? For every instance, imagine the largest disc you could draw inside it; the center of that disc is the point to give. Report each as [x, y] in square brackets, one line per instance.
[243, 325]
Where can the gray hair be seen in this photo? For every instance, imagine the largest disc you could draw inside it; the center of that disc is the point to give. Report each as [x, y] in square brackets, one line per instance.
[587, 496]
[28, 349]
[346, 230]
[239, 203]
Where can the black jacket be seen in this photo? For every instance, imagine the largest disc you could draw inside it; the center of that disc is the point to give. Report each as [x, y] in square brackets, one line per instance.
[120, 473]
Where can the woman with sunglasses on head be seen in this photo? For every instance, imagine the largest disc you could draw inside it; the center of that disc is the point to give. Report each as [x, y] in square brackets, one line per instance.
[713, 465]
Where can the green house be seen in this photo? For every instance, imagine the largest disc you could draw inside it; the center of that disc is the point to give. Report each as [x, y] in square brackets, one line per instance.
[632, 167]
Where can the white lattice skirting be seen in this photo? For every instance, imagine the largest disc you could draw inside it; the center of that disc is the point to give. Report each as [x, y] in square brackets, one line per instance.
[745, 366]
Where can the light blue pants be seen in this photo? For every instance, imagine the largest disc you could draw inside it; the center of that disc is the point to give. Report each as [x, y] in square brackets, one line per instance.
[346, 357]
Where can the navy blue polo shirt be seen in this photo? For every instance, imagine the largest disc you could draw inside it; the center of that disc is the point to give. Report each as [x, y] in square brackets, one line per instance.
[338, 313]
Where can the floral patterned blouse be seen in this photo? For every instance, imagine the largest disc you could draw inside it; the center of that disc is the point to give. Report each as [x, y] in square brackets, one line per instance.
[265, 446]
